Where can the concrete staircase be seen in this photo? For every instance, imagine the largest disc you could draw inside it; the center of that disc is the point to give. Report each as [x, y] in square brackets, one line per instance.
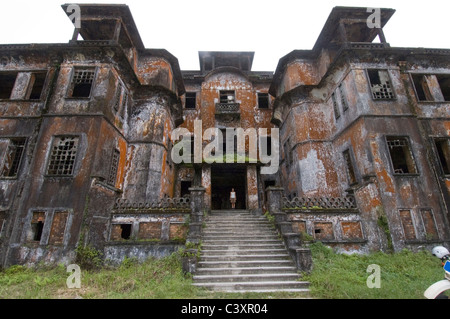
[242, 253]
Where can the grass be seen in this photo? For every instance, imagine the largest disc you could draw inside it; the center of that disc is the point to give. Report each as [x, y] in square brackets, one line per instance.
[335, 276]
[403, 275]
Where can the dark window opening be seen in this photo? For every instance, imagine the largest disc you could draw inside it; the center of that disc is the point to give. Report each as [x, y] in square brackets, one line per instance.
[422, 90]
[63, 155]
[227, 97]
[37, 226]
[13, 157]
[37, 84]
[380, 84]
[337, 113]
[81, 84]
[350, 170]
[401, 155]
[268, 183]
[117, 96]
[263, 100]
[125, 231]
[443, 150]
[190, 100]
[7, 81]
[444, 83]
[343, 97]
[185, 185]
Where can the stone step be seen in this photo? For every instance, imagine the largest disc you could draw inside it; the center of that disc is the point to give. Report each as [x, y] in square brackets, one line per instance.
[238, 237]
[245, 263]
[247, 251]
[240, 241]
[240, 233]
[237, 257]
[245, 278]
[242, 246]
[243, 252]
[241, 227]
[262, 286]
[246, 270]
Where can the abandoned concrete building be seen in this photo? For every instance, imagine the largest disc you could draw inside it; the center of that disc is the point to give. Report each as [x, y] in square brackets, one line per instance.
[86, 141]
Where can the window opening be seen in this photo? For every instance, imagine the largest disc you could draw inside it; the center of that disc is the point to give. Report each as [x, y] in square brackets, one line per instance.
[263, 100]
[81, 84]
[112, 177]
[350, 170]
[380, 84]
[190, 100]
[13, 157]
[401, 155]
[63, 155]
[443, 150]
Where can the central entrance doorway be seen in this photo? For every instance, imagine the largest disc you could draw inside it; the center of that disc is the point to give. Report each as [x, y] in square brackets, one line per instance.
[224, 177]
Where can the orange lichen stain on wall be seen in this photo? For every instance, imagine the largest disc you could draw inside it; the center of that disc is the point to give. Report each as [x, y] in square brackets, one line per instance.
[299, 73]
[383, 175]
[447, 127]
[167, 171]
[369, 197]
[156, 72]
[122, 145]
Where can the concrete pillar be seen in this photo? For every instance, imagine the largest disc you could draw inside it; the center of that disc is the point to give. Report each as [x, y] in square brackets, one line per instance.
[432, 88]
[206, 183]
[20, 90]
[252, 188]
[274, 195]
[196, 217]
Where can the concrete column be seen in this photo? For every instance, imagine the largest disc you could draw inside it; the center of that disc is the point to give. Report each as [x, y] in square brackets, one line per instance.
[274, 195]
[206, 183]
[252, 188]
[196, 217]
[20, 90]
[432, 88]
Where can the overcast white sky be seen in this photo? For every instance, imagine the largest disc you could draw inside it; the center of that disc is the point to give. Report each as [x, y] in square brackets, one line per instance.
[271, 29]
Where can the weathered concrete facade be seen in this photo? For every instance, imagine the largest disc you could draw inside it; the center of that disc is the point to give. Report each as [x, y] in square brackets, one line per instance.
[86, 140]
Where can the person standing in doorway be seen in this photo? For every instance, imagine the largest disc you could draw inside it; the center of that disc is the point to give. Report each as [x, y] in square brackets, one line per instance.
[233, 198]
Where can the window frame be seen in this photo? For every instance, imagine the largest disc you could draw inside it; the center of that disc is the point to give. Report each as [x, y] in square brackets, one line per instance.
[436, 151]
[10, 72]
[75, 162]
[70, 87]
[369, 83]
[113, 168]
[224, 93]
[19, 165]
[260, 95]
[31, 87]
[408, 140]
[194, 97]
[352, 162]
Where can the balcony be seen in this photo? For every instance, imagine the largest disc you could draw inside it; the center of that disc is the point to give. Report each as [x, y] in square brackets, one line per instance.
[227, 108]
[228, 113]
